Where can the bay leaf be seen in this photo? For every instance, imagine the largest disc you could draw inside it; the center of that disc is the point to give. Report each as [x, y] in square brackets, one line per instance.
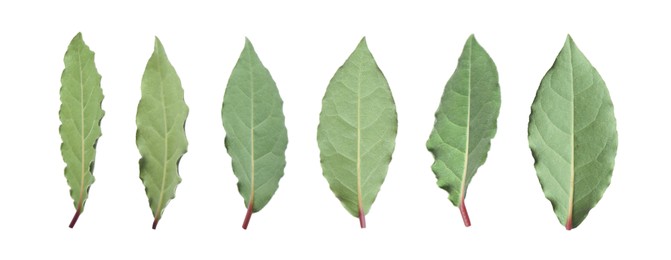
[256, 136]
[160, 137]
[465, 123]
[80, 114]
[357, 132]
[573, 135]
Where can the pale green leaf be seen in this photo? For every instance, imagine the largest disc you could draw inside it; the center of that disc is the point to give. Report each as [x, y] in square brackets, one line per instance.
[465, 123]
[572, 135]
[357, 131]
[256, 137]
[161, 139]
[80, 114]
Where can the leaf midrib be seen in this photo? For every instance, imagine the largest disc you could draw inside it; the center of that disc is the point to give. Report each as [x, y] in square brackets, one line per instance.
[83, 148]
[251, 134]
[569, 218]
[165, 137]
[358, 142]
[468, 125]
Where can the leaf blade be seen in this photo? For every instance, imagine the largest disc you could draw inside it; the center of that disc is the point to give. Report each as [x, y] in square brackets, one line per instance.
[465, 123]
[256, 136]
[356, 132]
[160, 137]
[80, 115]
[572, 122]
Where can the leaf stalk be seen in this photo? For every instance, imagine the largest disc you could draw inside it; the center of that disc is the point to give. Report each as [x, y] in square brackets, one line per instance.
[76, 217]
[569, 224]
[248, 216]
[362, 218]
[464, 213]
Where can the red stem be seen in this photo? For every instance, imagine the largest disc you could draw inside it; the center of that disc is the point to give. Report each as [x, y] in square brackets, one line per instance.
[75, 218]
[464, 213]
[248, 216]
[362, 218]
[569, 224]
[153, 225]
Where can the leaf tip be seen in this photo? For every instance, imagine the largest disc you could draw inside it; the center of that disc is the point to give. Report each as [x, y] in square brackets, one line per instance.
[248, 44]
[362, 46]
[363, 42]
[569, 40]
[157, 43]
[78, 39]
[471, 40]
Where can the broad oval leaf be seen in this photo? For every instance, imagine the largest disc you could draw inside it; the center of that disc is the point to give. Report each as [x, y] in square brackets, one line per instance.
[80, 115]
[357, 131]
[256, 137]
[465, 123]
[573, 136]
[161, 115]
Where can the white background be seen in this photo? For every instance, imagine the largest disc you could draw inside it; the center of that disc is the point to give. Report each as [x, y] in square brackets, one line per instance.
[302, 44]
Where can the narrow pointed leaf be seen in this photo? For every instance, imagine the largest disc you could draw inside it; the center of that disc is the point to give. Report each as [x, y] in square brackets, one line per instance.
[256, 137]
[572, 135]
[80, 114]
[357, 132]
[161, 139]
[465, 123]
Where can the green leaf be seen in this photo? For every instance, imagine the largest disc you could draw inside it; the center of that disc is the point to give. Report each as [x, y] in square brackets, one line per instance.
[572, 135]
[356, 133]
[80, 114]
[465, 123]
[256, 137]
[161, 139]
